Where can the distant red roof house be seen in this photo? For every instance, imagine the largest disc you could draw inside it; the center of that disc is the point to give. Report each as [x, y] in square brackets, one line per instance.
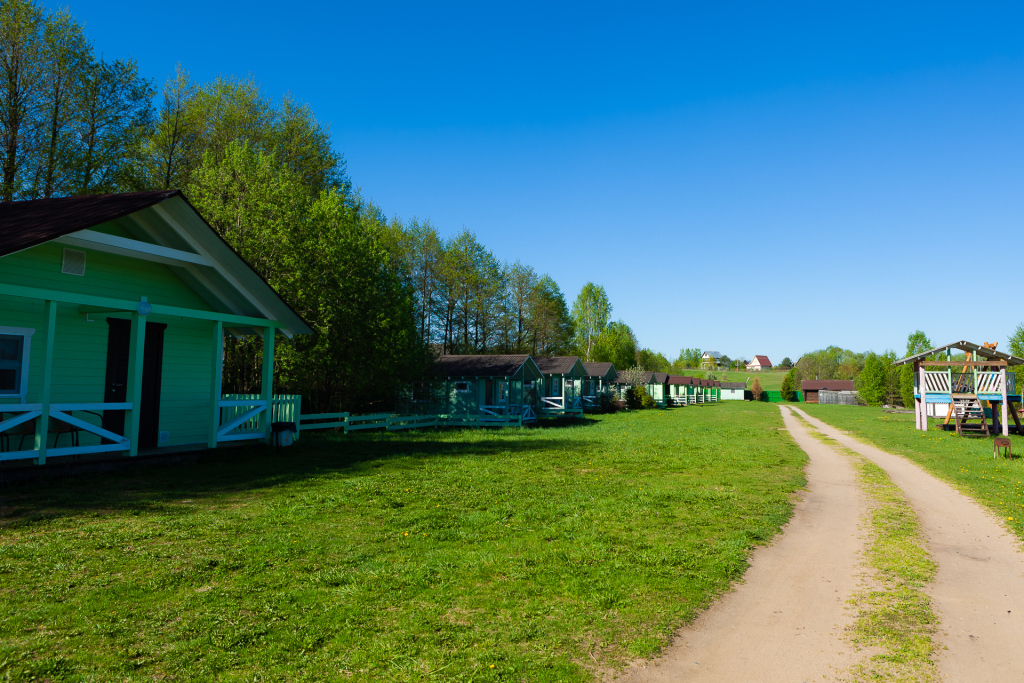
[759, 363]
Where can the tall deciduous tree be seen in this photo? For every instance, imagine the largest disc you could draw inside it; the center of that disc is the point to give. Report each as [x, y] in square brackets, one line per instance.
[590, 313]
[616, 345]
[22, 64]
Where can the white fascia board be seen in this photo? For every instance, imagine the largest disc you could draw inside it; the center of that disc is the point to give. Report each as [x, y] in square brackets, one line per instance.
[123, 246]
[187, 235]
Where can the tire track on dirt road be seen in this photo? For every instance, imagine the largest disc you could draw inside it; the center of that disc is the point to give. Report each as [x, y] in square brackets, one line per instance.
[978, 592]
[787, 620]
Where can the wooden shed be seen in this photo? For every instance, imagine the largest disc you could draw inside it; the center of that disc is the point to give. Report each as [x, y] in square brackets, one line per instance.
[811, 388]
[114, 310]
[733, 391]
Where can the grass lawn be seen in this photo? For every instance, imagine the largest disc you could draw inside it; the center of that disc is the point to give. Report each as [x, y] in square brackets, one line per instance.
[543, 554]
[964, 461]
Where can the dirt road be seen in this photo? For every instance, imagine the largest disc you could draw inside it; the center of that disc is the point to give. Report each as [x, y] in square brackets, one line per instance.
[786, 621]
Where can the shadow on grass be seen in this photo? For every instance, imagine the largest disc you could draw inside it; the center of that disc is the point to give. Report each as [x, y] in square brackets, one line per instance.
[150, 487]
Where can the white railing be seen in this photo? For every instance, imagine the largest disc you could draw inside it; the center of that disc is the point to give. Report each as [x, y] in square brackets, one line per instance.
[988, 383]
[936, 382]
[553, 402]
[61, 412]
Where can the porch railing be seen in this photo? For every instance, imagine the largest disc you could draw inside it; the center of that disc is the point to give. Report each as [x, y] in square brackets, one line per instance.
[240, 414]
[965, 382]
[61, 413]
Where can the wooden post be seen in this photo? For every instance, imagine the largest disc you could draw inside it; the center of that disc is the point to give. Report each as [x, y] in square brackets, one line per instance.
[1006, 416]
[136, 356]
[43, 421]
[924, 402]
[216, 380]
[917, 401]
[267, 384]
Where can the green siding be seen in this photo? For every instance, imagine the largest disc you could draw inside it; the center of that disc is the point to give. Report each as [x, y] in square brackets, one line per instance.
[107, 275]
[80, 344]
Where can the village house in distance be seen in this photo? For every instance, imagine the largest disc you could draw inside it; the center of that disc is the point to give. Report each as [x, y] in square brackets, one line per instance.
[759, 363]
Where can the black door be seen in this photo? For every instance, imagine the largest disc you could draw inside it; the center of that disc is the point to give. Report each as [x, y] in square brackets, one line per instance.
[116, 391]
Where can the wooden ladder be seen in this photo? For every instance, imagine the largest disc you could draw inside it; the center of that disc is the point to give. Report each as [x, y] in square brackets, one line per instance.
[970, 409]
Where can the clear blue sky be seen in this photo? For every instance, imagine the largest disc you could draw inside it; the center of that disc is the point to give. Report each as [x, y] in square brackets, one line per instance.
[747, 178]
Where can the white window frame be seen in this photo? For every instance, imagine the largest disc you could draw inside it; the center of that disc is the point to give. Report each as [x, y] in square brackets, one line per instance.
[26, 356]
[465, 387]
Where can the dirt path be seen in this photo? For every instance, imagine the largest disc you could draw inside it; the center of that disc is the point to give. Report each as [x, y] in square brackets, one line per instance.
[978, 593]
[786, 621]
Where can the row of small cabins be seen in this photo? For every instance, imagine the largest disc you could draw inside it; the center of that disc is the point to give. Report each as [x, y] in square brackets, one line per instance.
[113, 315]
[523, 385]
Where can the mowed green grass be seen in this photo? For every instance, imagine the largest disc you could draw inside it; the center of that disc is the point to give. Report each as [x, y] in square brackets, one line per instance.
[964, 461]
[542, 554]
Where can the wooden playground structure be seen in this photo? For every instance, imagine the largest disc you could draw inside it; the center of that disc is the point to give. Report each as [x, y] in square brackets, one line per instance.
[966, 386]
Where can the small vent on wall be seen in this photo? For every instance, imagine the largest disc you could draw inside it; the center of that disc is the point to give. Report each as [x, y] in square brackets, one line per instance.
[74, 262]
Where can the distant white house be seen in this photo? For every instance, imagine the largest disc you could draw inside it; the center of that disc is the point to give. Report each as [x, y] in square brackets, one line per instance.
[759, 363]
[710, 360]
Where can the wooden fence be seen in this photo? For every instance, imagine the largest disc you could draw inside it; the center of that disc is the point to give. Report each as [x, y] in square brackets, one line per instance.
[350, 423]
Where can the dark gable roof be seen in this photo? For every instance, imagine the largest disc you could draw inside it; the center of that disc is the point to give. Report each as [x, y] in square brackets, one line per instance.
[556, 365]
[598, 369]
[676, 379]
[828, 384]
[734, 385]
[763, 361]
[659, 377]
[28, 223]
[479, 366]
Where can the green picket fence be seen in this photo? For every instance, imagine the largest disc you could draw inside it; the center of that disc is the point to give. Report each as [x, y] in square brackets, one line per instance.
[776, 396]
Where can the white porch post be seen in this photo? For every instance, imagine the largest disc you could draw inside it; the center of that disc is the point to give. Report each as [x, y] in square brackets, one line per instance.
[917, 401]
[43, 421]
[136, 356]
[216, 380]
[924, 402]
[1006, 413]
[267, 384]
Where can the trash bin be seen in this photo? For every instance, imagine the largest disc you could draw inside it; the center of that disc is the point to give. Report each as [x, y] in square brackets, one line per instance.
[283, 433]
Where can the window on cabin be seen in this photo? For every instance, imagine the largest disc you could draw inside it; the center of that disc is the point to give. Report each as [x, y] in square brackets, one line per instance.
[12, 363]
[556, 386]
[462, 387]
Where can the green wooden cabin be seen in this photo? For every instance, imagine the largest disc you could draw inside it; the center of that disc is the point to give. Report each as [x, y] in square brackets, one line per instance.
[484, 385]
[599, 381]
[113, 311]
[681, 390]
[657, 387]
[563, 381]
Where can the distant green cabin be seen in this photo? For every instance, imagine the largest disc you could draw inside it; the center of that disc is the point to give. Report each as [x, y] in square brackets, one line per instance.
[482, 385]
[113, 311]
[657, 387]
[599, 380]
[563, 382]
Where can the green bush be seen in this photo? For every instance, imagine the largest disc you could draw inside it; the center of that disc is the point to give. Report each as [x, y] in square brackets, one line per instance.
[637, 397]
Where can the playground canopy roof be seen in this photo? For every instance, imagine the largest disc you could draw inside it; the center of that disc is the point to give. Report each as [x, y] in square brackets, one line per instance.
[966, 347]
